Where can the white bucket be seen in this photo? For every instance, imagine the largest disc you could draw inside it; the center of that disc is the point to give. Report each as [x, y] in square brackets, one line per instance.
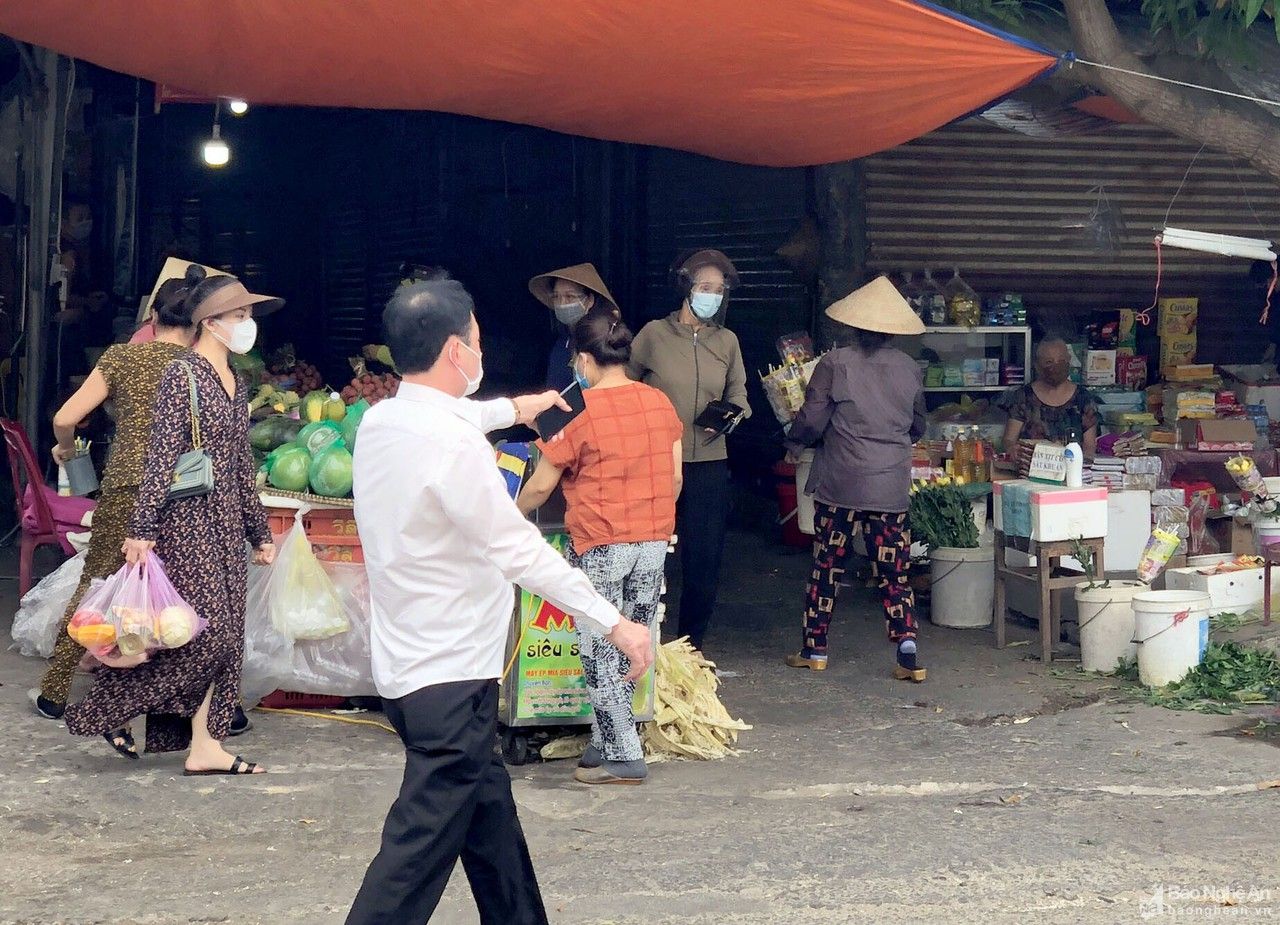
[1106, 624]
[1267, 532]
[962, 587]
[1172, 631]
[1273, 485]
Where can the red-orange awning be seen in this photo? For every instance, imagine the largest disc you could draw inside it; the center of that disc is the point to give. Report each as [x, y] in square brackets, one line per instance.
[773, 82]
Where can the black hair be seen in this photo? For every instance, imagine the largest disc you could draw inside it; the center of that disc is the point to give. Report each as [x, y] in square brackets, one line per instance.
[172, 306]
[870, 341]
[421, 317]
[602, 336]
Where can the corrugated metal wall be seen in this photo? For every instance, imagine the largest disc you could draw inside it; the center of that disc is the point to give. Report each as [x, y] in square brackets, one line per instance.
[747, 212]
[995, 204]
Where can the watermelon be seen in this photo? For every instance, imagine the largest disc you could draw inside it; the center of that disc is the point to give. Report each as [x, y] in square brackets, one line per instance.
[289, 468]
[274, 431]
[330, 472]
[319, 436]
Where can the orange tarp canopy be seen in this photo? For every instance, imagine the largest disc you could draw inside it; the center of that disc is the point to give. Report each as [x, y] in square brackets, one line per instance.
[773, 82]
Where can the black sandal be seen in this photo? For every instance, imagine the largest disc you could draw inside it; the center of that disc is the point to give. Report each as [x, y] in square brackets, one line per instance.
[125, 745]
[239, 768]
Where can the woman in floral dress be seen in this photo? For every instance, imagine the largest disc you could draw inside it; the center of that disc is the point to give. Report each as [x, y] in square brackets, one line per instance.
[128, 375]
[189, 694]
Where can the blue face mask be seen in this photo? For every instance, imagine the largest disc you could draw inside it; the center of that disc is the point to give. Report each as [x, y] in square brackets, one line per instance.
[580, 379]
[705, 304]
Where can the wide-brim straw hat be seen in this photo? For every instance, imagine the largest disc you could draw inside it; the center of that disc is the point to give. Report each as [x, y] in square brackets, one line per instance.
[233, 296]
[877, 306]
[584, 274]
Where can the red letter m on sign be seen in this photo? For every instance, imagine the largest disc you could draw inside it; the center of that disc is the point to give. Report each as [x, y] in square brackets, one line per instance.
[551, 617]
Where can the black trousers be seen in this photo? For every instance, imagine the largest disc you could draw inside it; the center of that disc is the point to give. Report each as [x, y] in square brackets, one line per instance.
[702, 517]
[455, 802]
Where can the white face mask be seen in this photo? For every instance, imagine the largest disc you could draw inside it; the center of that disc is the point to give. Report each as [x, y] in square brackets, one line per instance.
[472, 384]
[705, 304]
[244, 334]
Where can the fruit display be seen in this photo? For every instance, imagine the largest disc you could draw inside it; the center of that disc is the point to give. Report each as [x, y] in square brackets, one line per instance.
[319, 436]
[372, 387]
[271, 400]
[288, 373]
[322, 406]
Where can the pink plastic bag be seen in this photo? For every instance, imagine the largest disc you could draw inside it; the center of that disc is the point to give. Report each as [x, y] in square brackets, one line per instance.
[133, 613]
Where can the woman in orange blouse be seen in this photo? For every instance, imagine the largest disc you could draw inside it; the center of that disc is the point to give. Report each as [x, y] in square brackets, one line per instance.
[620, 464]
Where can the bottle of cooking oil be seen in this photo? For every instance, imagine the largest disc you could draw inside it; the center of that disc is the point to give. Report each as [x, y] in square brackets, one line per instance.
[963, 458]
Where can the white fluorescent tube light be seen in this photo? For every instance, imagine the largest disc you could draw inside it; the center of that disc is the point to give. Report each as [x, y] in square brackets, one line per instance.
[1225, 244]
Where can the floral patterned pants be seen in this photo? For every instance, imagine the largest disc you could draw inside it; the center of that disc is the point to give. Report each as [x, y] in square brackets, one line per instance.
[888, 542]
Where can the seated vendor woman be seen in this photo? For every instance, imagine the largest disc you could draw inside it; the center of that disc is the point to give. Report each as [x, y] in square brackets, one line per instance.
[1052, 407]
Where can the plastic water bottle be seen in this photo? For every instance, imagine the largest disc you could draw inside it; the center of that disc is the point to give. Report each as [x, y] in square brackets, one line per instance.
[1075, 464]
[64, 482]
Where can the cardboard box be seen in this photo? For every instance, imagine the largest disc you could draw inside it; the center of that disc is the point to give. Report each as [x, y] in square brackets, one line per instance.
[993, 371]
[1177, 351]
[1178, 317]
[1127, 336]
[1218, 436]
[1191, 372]
[1100, 367]
[1261, 386]
[1131, 371]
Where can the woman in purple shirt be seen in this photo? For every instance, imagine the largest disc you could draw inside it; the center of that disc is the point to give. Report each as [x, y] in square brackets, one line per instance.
[864, 408]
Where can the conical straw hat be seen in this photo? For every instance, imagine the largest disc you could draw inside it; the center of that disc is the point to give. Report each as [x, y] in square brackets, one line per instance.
[584, 274]
[877, 306]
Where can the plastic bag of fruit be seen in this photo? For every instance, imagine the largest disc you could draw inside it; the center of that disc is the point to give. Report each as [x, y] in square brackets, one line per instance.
[133, 613]
[303, 601]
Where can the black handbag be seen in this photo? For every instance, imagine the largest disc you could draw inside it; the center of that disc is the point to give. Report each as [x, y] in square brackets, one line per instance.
[193, 473]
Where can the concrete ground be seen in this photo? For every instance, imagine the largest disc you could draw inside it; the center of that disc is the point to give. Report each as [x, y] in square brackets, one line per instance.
[997, 792]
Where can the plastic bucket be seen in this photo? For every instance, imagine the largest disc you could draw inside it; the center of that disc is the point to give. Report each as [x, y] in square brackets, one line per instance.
[962, 587]
[1172, 632]
[1273, 485]
[1106, 624]
[80, 475]
[788, 508]
[1267, 532]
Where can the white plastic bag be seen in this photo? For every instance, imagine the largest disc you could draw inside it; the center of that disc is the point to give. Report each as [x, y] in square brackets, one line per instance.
[340, 666]
[35, 625]
[304, 603]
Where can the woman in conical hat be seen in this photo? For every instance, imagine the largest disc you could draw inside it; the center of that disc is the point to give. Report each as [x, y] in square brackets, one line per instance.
[570, 293]
[865, 404]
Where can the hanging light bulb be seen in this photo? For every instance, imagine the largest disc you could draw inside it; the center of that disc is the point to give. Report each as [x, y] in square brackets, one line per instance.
[216, 152]
[238, 107]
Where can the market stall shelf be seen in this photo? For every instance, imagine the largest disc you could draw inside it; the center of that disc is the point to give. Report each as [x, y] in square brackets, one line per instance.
[1048, 556]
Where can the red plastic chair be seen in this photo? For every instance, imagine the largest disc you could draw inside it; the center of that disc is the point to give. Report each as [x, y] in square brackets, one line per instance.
[45, 518]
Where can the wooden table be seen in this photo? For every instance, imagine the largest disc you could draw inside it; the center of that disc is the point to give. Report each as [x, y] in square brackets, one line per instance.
[1041, 574]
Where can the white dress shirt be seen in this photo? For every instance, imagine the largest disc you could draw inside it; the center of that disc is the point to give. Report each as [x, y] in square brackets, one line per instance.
[443, 542]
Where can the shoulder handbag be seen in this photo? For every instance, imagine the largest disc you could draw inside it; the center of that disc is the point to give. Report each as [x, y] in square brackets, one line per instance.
[193, 473]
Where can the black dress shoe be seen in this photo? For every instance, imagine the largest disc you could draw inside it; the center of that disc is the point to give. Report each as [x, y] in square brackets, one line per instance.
[240, 724]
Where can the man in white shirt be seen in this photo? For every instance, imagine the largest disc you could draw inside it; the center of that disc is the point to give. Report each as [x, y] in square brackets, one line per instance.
[443, 541]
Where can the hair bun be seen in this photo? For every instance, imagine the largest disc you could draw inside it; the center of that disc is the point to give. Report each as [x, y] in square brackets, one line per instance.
[195, 274]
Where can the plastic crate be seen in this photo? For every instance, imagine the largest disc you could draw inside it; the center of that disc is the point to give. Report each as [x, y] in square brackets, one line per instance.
[325, 527]
[289, 700]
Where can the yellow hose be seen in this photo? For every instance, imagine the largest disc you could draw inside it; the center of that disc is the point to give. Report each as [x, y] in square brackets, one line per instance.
[329, 716]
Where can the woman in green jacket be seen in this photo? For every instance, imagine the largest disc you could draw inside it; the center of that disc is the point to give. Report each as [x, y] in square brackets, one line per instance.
[694, 359]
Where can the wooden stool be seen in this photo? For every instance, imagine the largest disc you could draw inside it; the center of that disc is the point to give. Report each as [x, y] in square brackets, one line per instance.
[1041, 574]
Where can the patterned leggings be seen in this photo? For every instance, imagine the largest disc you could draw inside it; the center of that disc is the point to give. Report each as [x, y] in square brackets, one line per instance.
[888, 541]
[630, 576]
